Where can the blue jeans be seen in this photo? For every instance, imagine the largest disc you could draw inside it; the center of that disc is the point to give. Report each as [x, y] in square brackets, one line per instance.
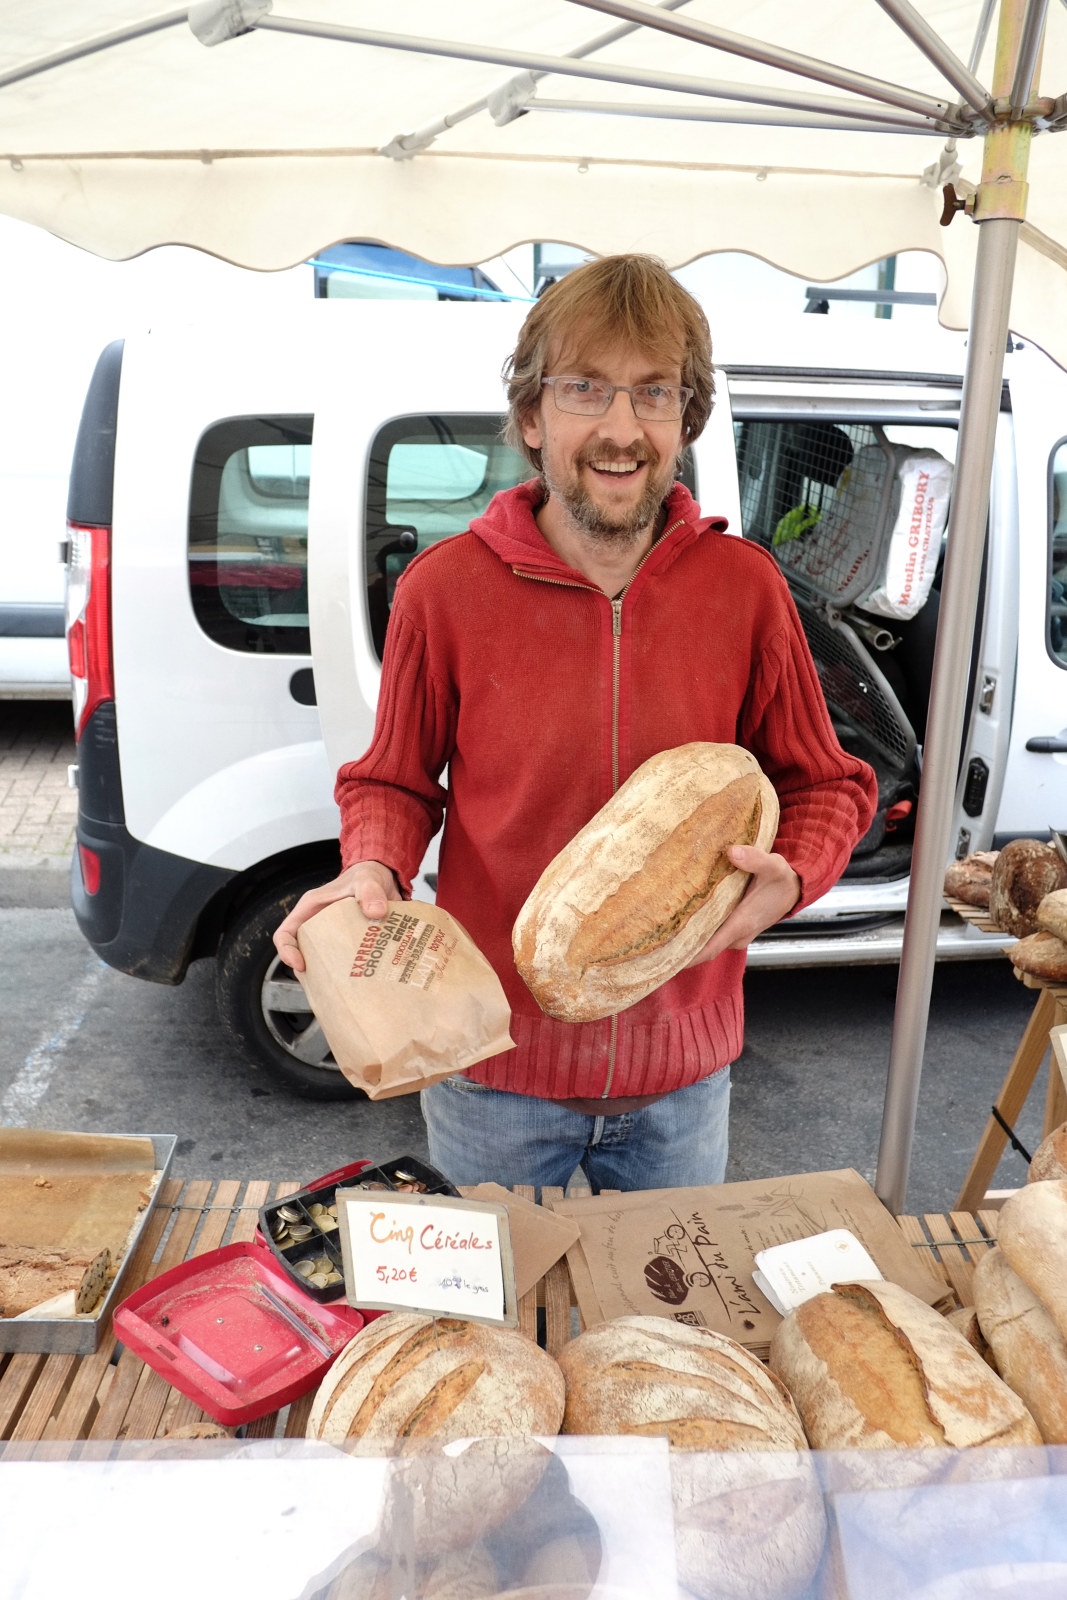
[483, 1135]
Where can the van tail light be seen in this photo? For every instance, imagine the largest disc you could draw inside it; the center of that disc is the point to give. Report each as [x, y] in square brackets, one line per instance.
[90, 867]
[89, 620]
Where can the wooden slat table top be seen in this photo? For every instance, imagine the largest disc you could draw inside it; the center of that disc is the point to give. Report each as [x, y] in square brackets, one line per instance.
[112, 1395]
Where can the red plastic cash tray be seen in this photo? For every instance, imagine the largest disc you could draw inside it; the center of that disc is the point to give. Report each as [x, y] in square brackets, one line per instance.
[231, 1332]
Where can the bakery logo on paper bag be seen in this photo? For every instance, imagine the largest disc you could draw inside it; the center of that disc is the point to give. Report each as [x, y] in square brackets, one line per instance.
[403, 949]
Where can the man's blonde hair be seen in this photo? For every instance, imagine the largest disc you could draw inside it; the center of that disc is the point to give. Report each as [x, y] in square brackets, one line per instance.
[617, 300]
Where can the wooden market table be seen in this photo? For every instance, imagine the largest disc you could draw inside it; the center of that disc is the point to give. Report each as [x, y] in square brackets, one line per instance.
[1050, 1012]
[111, 1395]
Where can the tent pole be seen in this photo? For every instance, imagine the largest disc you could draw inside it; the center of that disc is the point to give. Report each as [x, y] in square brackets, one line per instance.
[997, 244]
[999, 208]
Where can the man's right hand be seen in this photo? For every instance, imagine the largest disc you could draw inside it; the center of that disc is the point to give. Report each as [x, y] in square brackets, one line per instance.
[369, 883]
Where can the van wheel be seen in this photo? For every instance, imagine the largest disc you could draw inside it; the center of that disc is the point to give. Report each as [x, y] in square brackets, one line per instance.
[263, 1009]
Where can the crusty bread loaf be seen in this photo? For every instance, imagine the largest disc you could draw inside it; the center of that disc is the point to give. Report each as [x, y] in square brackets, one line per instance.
[407, 1384]
[1049, 1160]
[1025, 871]
[871, 1366]
[29, 1276]
[699, 1389]
[970, 878]
[1042, 955]
[1052, 913]
[406, 1378]
[1032, 1233]
[965, 1321]
[1031, 1351]
[645, 884]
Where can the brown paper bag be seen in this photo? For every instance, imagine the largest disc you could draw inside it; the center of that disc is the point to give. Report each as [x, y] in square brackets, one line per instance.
[405, 1001]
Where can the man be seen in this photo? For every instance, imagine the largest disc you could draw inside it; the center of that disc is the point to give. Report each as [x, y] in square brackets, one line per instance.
[589, 619]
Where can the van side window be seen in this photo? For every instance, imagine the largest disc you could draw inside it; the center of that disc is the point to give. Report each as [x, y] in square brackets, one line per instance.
[428, 478]
[248, 524]
[1057, 555]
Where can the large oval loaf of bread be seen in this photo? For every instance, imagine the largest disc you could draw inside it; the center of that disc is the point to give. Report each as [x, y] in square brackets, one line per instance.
[645, 884]
[871, 1366]
[1030, 1350]
[1032, 1233]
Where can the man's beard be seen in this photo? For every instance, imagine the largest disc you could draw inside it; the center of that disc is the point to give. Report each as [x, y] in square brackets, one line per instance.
[622, 527]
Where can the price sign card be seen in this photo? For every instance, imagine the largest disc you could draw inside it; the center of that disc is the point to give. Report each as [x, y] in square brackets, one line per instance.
[415, 1252]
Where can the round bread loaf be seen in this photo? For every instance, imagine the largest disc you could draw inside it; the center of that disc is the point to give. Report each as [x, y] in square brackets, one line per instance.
[1025, 871]
[645, 884]
[406, 1378]
[1031, 1351]
[1042, 955]
[1052, 914]
[1032, 1233]
[970, 878]
[1049, 1160]
[871, 1366]
[700, 1390]
[407, 1384]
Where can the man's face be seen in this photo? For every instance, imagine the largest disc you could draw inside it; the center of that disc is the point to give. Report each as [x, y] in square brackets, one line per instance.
[610, 473]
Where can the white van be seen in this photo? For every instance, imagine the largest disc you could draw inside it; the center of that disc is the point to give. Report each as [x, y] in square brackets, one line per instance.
[243, 499]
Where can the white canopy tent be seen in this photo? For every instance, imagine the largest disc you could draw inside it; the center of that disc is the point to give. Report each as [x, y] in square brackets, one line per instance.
[820, 142]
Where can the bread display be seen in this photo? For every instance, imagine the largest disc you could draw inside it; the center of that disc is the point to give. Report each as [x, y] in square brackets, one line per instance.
[1052, 913]
[1049, 1160]
[1042, 955]
[645, 884]
[1032, 1233]
[1025, 871]
[871, 1366]
[698, 1389]
[970, 878]
[1030, 1350]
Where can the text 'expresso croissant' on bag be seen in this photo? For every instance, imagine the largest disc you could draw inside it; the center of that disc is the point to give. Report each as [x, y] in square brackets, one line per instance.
[404, 1001]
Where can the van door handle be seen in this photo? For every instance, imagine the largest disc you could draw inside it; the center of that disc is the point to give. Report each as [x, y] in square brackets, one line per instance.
[1045, 744]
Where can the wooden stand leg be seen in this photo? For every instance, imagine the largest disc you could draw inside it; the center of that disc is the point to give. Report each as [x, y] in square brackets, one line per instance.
[1056, 1098]
[1010, 1101]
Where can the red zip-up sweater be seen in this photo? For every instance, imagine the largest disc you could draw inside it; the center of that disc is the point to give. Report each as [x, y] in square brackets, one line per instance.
[541, 695]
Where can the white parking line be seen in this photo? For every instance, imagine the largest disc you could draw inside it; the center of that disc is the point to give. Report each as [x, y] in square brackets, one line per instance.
[30, 1084]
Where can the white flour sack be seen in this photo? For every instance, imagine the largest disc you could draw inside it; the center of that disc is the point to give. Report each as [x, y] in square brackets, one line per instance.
[924, 479]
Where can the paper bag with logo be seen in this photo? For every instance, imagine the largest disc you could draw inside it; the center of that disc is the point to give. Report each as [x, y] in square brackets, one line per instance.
[405, 1001]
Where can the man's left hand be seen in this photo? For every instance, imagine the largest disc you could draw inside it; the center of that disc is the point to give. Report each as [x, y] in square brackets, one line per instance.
[772, 892]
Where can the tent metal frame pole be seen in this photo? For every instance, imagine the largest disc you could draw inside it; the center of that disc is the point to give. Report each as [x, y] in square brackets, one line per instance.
[944, 118]
[997, 245]
[770, 55]
[934, 48]
[999, 211]
[766, 118]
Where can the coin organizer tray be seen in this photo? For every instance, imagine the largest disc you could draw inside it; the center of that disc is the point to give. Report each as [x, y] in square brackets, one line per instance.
[302, 1232]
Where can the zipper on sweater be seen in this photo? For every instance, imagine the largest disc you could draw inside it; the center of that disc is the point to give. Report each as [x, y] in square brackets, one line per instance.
[616, 676]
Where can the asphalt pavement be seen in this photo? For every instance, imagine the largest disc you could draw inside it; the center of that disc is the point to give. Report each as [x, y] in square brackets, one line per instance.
[82, 1046]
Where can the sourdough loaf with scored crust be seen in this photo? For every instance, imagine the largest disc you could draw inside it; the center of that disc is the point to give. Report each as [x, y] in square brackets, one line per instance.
[1049, 1160]
[696, 1388]
[970, 878]
[1032, 1233]
[645, 884]
[870, 1366]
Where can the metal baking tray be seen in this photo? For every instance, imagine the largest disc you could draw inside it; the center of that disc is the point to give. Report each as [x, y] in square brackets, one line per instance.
[81, 1335]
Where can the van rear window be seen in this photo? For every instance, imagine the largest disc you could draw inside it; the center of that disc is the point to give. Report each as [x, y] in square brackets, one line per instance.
[428, 478]
[248, 524]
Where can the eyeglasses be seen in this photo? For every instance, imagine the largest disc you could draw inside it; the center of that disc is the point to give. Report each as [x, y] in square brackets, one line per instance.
[590, 397]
